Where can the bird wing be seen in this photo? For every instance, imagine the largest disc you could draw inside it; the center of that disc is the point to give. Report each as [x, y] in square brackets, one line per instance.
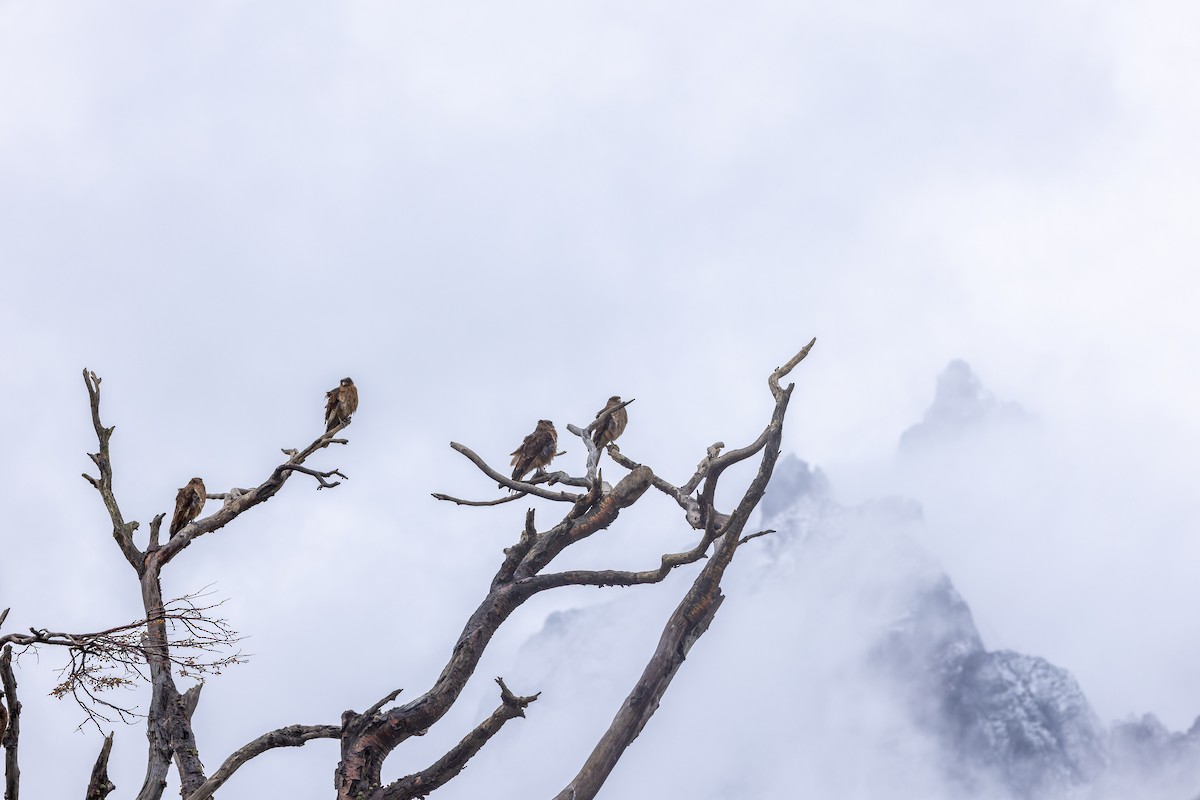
[611, 428]
[181, 503]
[542, 447]
[331, 403]
[524, 454]
[620, 418]
[605, 427]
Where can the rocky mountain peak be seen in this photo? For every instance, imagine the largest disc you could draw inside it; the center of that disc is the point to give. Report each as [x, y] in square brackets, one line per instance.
[961, 406]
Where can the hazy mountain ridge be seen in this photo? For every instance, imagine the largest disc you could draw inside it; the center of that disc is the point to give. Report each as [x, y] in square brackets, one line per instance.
[961, 407]
[881, 654]
[1001, 718]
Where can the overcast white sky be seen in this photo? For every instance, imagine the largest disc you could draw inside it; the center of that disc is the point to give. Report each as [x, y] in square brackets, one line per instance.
[489, 213]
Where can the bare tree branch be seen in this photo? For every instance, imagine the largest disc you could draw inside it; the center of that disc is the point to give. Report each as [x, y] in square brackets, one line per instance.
[100, 787]
[754, 536]
[616, 577]
[367, 739]
[122, 530]
[593, 459]
[238, 503]
[680, 495]
[515, 554]
[168, 719]
[320, 476]
[155, 529]
[378, 705]
[460, 502]
[115, 658]
[290, 736]
[702, 469]
[368, 746]
[694, 614]
[203, 631]
[782, 372]
[529, 487]
[576, 527]
[689, 621]
[421, 784]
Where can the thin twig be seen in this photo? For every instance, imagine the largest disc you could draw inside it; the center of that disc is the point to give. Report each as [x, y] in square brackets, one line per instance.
[498, 501]
[320, 476]
[745, 539]
[422, 783]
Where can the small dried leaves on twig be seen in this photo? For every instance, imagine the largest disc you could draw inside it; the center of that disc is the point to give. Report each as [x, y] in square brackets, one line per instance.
[101, 661]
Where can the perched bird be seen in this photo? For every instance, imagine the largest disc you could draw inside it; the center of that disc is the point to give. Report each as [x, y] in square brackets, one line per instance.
[608, 431]
[188, 504]
[536, 451]
[341, 402]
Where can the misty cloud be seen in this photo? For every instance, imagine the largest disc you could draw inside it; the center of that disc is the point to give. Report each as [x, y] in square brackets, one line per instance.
[489, 215]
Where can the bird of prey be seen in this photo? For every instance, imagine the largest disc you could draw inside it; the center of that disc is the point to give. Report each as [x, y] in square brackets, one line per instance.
[608, 431]
[536, 451]
[341, 402]
[188, 504]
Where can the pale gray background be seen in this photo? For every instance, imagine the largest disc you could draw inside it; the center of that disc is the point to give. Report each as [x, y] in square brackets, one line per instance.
[489, 213]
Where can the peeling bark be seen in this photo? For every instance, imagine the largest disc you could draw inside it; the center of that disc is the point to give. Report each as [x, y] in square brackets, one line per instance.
[100, 787]
[12, 731]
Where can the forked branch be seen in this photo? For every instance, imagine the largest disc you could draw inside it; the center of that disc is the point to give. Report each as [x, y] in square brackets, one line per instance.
[122, 530]
[168, 720]
[692, 617]
[322, 482]
[368, 739]
[420, 784]
[238, 502]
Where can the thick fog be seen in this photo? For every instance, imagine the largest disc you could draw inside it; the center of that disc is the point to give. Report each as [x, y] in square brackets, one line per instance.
[490, 214]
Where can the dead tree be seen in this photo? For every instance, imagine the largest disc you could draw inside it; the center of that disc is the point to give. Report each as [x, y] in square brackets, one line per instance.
[589, 505]
[10, 721]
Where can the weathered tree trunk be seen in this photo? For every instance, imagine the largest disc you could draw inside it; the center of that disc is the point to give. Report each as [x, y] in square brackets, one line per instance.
[12, 732]
[689, 621]
[169, 723]
[162, 688]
